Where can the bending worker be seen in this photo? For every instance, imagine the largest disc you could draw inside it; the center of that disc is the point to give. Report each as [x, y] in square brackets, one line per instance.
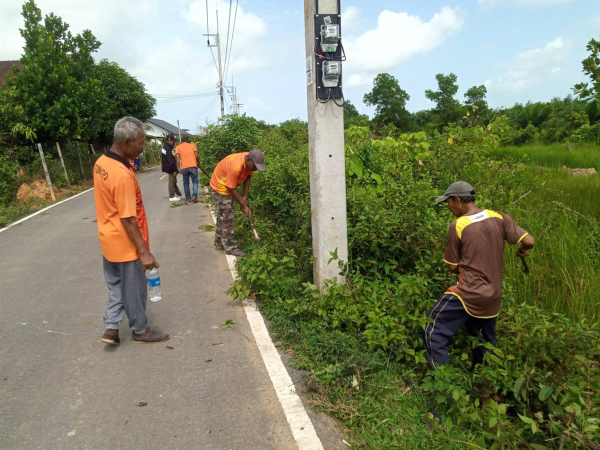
[229, 174]
[474, 251]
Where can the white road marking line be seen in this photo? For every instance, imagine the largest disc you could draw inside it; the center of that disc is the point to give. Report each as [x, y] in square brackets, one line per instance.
[302, 428]
[163, 177]
[42, 210]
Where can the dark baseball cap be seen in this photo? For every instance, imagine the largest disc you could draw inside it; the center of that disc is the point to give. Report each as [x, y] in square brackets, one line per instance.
[457, 189]
[258, 157]
[170, 137]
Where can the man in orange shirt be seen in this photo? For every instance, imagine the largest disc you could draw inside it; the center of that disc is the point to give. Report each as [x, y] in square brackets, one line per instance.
[229, 174]
[123, 234]
[187, 162]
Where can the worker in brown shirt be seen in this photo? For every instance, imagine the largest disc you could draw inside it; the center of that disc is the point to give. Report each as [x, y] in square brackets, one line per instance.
[474, 251]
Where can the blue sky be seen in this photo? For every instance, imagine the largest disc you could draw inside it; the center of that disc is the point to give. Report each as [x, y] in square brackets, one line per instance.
[520, 49]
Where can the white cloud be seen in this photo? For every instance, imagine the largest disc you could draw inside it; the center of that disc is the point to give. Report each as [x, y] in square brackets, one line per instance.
[531, 67]
[397, 38]
[351, 19]
[524, 2]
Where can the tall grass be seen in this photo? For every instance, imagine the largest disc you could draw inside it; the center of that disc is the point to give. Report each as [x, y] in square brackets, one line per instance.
[565, 264]
[555, 155]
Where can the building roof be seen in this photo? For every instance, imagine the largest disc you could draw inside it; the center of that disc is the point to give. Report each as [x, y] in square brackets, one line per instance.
[167, 126]
[6, 69]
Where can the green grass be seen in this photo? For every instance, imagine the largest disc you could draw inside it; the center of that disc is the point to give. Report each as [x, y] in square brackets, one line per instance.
[555, 155]
[380, 411]
[565, 267]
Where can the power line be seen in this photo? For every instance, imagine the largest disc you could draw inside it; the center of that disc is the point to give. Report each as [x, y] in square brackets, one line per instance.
[182, 99]
[208, 38]
[232, 34]
[201, 112]
[228, 28]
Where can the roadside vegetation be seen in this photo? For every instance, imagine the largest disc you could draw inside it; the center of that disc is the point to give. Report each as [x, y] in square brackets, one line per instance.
[361, 342]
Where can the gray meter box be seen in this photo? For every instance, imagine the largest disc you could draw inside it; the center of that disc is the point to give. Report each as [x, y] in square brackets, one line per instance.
[328, 74]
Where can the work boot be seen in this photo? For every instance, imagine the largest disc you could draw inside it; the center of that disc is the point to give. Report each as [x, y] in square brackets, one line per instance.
[195, 199]
[219, 246]
[111, 336]
[150, 337]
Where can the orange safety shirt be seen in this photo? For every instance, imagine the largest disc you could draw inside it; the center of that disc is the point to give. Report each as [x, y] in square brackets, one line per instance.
[118, 196]
[187, 152]
[230, 173]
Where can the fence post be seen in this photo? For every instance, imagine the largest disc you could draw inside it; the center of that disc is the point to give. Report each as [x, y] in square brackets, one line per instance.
[39, 146]
[62, 161]
[91, 165]
[80, 163]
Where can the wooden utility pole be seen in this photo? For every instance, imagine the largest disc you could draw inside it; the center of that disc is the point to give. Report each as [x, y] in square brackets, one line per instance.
[326, 161]
[218, 45]
[48, 180]
[62, 162]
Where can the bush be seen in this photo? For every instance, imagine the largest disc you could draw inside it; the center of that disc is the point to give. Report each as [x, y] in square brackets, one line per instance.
[539, 386]
[9, 172]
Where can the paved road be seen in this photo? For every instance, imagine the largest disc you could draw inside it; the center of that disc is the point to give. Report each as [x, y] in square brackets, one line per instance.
[61, 388]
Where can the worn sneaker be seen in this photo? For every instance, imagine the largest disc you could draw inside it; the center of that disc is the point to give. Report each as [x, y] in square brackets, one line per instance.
[111, 336]
[174, 199]
[150, 337]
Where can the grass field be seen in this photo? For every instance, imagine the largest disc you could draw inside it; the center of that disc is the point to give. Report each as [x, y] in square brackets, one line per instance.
[565, 267]
[553, 156]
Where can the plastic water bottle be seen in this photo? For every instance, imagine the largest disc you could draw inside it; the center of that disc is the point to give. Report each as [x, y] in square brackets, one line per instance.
[154, 284]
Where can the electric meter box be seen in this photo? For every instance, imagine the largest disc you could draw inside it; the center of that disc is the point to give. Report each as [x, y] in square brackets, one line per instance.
[328, 56]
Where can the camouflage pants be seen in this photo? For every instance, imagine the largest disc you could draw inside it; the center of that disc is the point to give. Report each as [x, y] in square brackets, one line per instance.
[225, 221]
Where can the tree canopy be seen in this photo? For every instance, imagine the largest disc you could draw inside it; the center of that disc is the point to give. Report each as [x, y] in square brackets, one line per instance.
[389, 100]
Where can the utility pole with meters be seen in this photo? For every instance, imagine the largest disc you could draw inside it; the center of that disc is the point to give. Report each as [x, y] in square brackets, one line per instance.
[218, 45]
[326, 140]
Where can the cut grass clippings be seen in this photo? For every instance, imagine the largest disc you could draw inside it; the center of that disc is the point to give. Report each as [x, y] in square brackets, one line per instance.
[207, 227]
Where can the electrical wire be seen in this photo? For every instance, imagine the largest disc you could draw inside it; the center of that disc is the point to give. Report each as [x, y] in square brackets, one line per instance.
[195, 116]
[208, 39]
[185, 98]
[231, 45]
[228, 28]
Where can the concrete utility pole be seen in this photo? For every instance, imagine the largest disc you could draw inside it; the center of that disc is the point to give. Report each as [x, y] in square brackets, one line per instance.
[179, 130]
[234, 105]
[327, 163]
[218, 45]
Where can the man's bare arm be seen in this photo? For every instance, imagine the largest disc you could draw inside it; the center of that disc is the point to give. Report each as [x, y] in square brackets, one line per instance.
[247, 182]
[453, 268]
[135, 236]
[525, 245]
[178, 159]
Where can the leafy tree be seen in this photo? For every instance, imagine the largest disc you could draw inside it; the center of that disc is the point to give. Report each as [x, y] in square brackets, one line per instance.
[591, 67]
[123, 95]
[353, 117]
[389, 100]
[447, 107]
[58, 97]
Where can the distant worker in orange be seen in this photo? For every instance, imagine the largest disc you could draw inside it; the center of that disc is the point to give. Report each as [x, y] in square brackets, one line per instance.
[229, 174]
[187, 164]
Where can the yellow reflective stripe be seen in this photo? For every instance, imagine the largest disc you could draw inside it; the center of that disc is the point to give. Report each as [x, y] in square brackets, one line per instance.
[461, 223]
[491, 213]
[467, 310]
[521, 238]
[452, 264]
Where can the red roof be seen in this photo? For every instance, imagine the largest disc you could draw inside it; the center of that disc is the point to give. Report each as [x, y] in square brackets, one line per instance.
[6, 69]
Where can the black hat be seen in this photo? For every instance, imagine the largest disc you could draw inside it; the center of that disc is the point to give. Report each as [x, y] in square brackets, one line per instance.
[259, 159]
[170, 137]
